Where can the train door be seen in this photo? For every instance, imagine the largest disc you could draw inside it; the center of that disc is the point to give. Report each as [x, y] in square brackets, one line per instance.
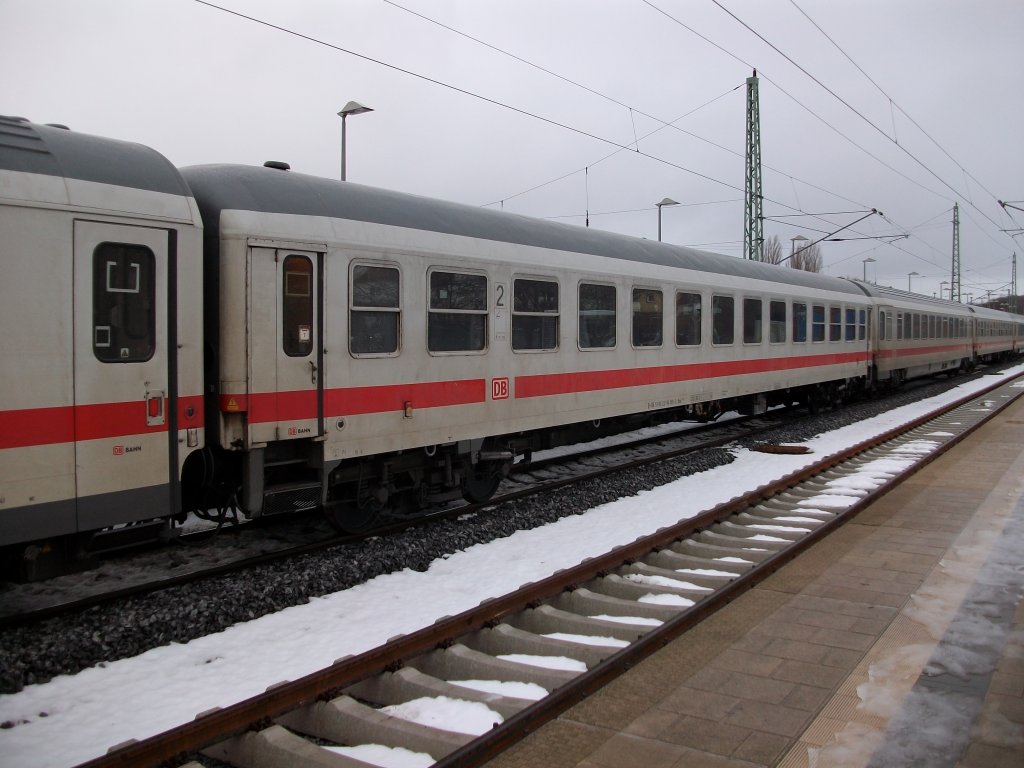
[124, 352]
[286, 354]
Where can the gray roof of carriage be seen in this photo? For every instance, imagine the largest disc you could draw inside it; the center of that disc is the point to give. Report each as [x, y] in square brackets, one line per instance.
[56, 151]
[234, 187]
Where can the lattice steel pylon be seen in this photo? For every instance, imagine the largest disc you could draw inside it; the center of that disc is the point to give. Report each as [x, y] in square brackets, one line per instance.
[753, 217]
[954, 280]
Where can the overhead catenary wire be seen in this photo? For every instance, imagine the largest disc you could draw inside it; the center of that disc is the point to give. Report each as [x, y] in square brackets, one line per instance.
[486, 99]
[892, 102]
[844, 102]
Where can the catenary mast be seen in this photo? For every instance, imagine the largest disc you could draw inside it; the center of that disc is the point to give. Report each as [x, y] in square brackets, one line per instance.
[753, 217]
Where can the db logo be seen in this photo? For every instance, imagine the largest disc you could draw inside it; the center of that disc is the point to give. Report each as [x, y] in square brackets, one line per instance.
[292, 431]
[119, 450]
[499, 389]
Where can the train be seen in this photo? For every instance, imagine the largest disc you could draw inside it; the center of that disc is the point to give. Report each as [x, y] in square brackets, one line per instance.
[231, 337]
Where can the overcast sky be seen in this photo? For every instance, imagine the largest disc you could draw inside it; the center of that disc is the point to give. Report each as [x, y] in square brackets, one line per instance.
[942, 121]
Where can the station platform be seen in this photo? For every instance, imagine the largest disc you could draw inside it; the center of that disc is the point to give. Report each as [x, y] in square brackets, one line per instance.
[896, 641]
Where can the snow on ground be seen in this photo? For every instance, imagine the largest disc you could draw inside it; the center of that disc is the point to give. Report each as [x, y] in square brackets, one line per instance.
[74, 718]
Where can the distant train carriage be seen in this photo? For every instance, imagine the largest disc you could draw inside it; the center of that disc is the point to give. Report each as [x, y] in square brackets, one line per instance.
[918, 335]
[994, 333]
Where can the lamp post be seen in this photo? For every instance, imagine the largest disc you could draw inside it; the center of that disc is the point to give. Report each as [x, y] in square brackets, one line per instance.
[662, 204]
[793, 246]
[912, 274]
[867, 261]
[352, 108]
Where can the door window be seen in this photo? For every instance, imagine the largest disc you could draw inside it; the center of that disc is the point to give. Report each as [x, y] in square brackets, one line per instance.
[123, 303]
[297, 306]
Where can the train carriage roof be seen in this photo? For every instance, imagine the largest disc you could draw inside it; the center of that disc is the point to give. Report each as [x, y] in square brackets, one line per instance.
[932, 303]
[52, 150]
[233, 187]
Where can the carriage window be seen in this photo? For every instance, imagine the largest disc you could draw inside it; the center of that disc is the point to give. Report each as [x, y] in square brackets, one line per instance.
[931, 326]
[751, 321]
[835, 323]
[647, 317]
[851, 324]
[817, 322]
[723, 319]
[881, 324]
[777, 322]
[596, 316]
[123, 303]
[297, 306]
[862, 324]
[457, 318]
[374, 310]
[915, 332]
[534, 314]
[688, 319]
[799, 321]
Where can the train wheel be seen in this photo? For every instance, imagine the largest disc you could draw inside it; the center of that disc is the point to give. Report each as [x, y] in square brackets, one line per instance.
[351, 518]
[482, 480]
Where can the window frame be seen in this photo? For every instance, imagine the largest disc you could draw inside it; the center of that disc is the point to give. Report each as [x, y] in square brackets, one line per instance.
[398, 311]
[634, 313]
[580, 320]
[757, 317]
[801, 338]
[699, 315]
[715, 297]
[556, 315]
[484, 312]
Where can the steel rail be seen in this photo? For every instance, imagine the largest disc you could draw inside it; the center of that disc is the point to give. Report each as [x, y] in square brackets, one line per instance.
[174, 745]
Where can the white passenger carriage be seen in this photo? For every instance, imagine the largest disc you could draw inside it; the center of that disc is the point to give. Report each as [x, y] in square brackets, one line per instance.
[995, 333]
[100, 355]
[918, 335]
[370, 345]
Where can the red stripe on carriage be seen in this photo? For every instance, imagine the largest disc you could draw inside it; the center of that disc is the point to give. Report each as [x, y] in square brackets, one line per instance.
[65, 424]
[592, 381]
[265, 407]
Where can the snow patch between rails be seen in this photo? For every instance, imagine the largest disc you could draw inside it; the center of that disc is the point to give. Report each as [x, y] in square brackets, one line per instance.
[512, 688]
[384, 756]
[447, 714]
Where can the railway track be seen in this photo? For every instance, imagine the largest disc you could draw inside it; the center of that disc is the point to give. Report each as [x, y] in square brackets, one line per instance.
[551, 643]
[65, 595]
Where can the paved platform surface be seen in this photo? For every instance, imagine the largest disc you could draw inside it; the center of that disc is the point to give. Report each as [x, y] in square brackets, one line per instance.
[899, 640]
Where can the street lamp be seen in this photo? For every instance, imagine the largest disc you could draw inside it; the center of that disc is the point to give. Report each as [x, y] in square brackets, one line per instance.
[663, 203]
[867, 261]
[352, 108]
[912, 274]
[793, 247]
[942, 290]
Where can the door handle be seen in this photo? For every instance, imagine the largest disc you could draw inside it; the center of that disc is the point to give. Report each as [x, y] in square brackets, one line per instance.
[312, 365]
